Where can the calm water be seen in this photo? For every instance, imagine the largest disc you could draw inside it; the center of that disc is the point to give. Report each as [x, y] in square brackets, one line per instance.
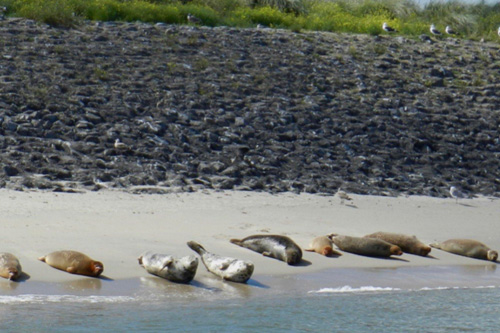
[281, 304]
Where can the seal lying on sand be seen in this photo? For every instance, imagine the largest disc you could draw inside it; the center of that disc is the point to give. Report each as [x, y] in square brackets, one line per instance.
[468, 248]
[10, 268]
[180, 270]
[73, 262]
[408, 244]
[323, 245]
[274, 246]
[227, 268]
[366, 246]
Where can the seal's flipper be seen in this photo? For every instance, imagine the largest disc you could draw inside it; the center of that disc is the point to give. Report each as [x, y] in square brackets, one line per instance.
[71, 270]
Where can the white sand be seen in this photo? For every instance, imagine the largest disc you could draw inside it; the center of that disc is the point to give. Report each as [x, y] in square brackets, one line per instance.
[116, 227]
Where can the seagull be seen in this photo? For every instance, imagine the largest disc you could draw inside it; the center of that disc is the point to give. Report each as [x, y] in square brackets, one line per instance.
[193, 19]
[120, 145]
[434, 31]
[450, 31]
[498, 31]
[343, 196]
[388, 28]
[457, 194]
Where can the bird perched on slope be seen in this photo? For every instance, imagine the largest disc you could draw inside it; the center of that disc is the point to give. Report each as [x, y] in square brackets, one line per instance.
[434, 31]
[457, 194]
[193, 19]
[449, 30]
[343, 196]
[498, 31]
[120, 145]
[387, 28]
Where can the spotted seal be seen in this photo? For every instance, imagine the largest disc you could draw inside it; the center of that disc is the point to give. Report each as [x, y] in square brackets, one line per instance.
[323, 245]
[408, 244]
[180, 270]
[73, 262]
[365, 246]
[10, 268]
[468, 248]
[227, 268]
[273, 246]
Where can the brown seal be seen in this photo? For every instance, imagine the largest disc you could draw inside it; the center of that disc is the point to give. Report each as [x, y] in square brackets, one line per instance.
[468, 248]
[408, 244]
[366, 246]
[323, 245]
[10, 268]
[73, 262]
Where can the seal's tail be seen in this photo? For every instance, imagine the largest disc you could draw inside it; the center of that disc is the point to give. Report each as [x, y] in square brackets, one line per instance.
[236, 241]
[196, 247]
[42, 258]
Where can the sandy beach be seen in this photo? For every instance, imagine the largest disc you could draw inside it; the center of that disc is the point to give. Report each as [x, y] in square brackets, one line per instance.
[116, 227]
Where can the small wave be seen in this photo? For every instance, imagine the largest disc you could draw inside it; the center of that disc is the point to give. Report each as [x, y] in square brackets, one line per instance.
[349, 289]
[43, 299]
[452, 288]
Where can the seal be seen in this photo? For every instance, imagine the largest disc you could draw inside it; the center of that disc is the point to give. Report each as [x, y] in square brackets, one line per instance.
[273, 246]
[468, 248]
[371, 247]
[10, 268]
[73, 262]
[227, 268]
[180, 270]
[323, 245]
[408, 244]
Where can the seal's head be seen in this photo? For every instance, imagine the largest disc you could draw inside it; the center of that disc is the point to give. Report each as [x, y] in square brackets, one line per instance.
[396, 250]
[492, 255]
[424, 250]
[97, 268]
[327, 251]
[293, 257]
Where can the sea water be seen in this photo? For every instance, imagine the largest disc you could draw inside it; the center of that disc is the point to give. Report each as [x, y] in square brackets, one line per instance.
[307, 303]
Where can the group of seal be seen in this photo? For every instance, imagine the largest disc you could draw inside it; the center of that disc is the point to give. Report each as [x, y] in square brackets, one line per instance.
[183, 270]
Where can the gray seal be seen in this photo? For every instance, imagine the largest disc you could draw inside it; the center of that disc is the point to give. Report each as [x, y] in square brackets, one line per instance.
[468, 248]
[273, 246]
[227, 268]
[181, 270]
[371, 247]
[408, 244]
[10, 268]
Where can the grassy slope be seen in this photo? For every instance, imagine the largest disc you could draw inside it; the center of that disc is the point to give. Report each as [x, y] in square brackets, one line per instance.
[353, 16]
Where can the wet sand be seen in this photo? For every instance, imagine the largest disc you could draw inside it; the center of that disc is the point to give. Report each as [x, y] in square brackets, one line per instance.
[116, 227]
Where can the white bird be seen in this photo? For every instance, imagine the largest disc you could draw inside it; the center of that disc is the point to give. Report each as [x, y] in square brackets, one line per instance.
[457, 194]
[498, 31]
[450, 31]
[434, 31]
[388, 28]
[120, 145]
[343, 196]
[193, 19]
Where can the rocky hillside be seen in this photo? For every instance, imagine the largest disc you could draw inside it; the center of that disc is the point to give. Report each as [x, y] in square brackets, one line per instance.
[245, 109]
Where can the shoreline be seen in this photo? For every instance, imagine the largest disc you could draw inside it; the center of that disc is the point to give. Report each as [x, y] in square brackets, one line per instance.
[116, 227]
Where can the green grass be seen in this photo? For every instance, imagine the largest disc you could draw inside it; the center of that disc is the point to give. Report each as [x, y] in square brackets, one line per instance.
[473, 21]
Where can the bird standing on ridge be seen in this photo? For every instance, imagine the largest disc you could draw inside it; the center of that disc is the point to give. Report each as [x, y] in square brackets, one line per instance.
[434, 31]
[449, 30]
[455, 193]
[193, 19]
[388, 28]
[498, 31]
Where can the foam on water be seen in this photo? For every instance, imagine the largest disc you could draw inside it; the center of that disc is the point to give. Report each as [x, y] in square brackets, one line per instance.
[368, 289]
[349, 289]
[44, 299]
